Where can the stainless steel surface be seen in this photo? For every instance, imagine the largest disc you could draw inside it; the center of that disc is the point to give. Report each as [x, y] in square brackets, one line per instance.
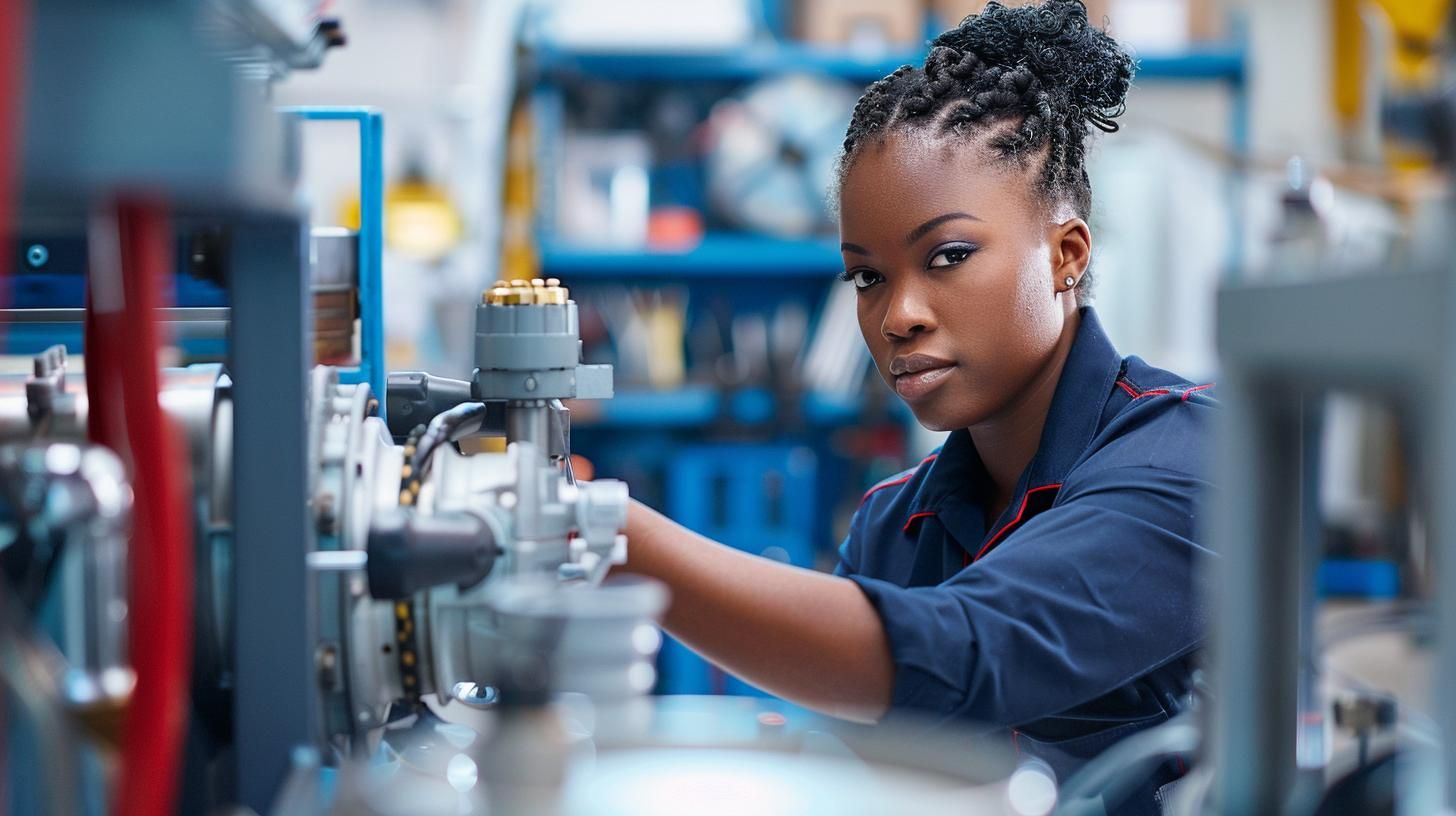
[703, 755]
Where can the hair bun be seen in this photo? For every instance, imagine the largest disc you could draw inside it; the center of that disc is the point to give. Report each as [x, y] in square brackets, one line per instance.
[1070, 58]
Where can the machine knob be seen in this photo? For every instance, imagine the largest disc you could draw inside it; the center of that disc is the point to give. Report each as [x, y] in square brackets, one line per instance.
[601, 511]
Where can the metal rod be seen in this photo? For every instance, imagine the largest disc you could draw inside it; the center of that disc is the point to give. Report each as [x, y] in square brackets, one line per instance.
[529, 421]
[170, 314]
[338, 560]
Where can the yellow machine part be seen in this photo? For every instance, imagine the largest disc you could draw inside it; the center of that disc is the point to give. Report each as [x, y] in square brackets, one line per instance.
[1417, 26]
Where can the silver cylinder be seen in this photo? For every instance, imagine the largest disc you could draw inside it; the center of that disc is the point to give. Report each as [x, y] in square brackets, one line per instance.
[529, 421]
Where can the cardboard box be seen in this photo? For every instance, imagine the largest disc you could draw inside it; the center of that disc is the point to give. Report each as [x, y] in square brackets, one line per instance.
[949, 13]
[1206, 20]
[862, 23]
[1156, 23]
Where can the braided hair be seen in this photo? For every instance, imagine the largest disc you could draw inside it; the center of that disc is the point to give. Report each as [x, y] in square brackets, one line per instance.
[1033, 80]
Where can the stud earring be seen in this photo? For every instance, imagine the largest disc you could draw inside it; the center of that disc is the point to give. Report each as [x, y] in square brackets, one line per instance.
[1070, 281]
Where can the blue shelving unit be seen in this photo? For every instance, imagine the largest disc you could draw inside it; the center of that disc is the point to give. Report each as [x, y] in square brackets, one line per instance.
[698, 406]
[1221, 61]
[751, 62]
[715, 255]
[1224, 63]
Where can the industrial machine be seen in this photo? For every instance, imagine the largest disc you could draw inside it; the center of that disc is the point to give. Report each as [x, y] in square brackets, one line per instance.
[414, 538]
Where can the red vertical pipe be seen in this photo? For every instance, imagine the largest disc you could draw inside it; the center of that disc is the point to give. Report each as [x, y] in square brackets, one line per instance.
[123, 336]
[13, 15]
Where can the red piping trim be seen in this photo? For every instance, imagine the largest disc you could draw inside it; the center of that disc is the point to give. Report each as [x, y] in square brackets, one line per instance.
[911, 520]
[1019, 513]
[1190, 392]
[901, 480]
[1136, 394]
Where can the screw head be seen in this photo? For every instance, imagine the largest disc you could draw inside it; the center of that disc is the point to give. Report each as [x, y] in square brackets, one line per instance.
[37, 255]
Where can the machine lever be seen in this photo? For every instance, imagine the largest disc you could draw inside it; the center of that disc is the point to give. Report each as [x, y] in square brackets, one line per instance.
[409, 553]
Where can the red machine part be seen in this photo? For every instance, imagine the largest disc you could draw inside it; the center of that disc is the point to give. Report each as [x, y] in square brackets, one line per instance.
[13, 16]
[130, 255]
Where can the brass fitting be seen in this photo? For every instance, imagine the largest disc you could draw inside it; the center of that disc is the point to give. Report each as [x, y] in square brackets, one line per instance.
[554, 293]
[519, 294]
[539, 291]
[497, 295]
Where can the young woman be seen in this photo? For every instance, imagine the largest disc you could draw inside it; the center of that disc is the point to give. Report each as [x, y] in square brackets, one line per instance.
[1038, 572]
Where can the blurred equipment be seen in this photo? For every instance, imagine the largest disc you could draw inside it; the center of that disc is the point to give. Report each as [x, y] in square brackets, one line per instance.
[604, 188]
[1387, 81]
[334, 284]
[645, 24]
[420, 219]
[773, 153]
[1310, 328]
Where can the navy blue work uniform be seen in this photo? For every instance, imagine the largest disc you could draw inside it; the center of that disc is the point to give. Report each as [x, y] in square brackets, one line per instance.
[1073, 618]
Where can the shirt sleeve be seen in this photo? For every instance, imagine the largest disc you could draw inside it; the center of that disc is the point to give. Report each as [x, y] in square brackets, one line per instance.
[1086, 597]
[848, 563]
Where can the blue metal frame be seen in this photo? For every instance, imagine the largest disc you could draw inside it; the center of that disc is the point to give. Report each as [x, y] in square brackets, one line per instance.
[371, 240]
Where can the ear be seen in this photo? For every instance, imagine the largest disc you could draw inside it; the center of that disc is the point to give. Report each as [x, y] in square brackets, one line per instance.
[1071, 245]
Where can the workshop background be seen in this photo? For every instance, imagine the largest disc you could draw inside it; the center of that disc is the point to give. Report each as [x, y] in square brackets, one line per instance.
[1273, 217]
[670, 162]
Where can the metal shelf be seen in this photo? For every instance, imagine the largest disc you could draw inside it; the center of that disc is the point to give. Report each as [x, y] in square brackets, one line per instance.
[1223, 61]
[1213, 61]
[715, 255]
[749, 62]
[700, 405]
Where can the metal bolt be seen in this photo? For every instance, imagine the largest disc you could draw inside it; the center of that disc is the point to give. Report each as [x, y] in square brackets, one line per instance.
[37, 255]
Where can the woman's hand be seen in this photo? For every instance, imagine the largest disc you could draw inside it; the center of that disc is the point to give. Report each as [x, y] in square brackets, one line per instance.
[811, 638]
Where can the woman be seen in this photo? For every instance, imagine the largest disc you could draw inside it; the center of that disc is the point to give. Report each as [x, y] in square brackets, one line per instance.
[1037, 573]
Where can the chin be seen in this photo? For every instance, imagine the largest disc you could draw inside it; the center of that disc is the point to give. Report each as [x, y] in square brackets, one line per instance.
[933, 420]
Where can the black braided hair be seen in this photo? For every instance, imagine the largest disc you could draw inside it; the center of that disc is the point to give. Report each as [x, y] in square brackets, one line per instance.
[1034, 80]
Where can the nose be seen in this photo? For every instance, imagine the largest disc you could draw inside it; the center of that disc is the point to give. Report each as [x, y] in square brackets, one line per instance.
[910, 311]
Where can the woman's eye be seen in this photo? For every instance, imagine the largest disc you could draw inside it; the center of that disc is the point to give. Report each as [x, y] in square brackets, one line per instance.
[863, 278]
[950, 256]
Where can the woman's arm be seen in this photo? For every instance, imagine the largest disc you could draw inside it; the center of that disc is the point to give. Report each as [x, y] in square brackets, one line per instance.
[805, 636]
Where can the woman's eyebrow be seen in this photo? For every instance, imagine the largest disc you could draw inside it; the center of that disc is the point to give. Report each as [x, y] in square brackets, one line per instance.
[920, 231]
[855, 248]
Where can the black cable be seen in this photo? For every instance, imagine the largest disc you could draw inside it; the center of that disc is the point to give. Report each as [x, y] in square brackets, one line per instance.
[447, 426]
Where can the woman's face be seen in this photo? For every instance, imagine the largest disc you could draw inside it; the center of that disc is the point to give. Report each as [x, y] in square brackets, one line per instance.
[960, 275]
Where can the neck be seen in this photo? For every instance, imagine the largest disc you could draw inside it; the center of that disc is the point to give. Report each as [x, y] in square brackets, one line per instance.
[1007, 441]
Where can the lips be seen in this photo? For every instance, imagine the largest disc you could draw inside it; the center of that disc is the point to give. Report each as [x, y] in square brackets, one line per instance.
[918, 374]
